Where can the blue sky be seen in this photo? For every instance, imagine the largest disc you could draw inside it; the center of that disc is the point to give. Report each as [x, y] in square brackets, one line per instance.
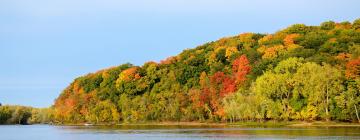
[45, 44]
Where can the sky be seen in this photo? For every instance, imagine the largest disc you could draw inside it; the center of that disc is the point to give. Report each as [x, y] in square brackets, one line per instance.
[45, 44]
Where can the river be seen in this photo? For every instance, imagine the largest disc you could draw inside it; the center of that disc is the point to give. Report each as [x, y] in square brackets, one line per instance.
[148, 132]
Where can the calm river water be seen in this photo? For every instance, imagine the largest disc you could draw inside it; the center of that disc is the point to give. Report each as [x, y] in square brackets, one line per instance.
[48, 132]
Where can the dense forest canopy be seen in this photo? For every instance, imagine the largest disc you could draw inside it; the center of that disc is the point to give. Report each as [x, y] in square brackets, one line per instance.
[298, 73]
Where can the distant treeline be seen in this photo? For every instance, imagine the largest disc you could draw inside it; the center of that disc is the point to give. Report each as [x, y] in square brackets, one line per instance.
[13, 114]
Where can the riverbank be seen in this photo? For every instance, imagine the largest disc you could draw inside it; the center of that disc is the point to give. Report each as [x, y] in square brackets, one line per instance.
[296, 124]
[236, 124]
[327, 124]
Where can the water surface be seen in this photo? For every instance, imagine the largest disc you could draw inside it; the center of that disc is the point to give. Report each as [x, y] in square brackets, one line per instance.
[148, 132]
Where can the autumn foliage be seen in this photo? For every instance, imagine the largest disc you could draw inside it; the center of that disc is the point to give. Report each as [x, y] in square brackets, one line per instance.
[241, 67]
[298, 73]
[353, 69]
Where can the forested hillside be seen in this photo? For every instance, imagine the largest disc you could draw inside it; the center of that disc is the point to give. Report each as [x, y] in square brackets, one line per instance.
[298, 73]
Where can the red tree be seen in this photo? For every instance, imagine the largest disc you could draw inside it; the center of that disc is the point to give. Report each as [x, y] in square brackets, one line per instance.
[241, 67]
[353, 69]
[228, 86]
[217, 78]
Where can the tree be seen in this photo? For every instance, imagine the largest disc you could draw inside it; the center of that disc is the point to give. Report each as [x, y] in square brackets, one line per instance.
[297, 28]
[319, 84]
[353, 69]
[241, 67]
[127, 81]
[277, 85]
[204, 86]
[124, 105]
[348, 101]
[129, 74]
[104, 112]
[327, 25]
[5, 114]
[289, 39]
[242, 107]
[356, 24]
[230, 51]
[21, 115]
[221, 55]
[313, 40]
[354, 50]
[275, 88]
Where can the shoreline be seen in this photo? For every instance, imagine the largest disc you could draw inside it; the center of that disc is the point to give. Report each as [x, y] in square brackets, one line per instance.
[235, 124]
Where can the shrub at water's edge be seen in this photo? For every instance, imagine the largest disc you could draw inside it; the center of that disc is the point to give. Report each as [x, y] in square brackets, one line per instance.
[301, 73]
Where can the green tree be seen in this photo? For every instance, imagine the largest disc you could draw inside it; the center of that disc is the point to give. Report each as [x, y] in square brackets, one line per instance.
[104, 112]
[277, 85]
[319, 84]
[21, 115]
[327, 25]
[356, 24]
[5, 114]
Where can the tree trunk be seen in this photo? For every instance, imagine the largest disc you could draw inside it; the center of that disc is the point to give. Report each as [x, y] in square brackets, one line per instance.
[327, 102]
[357, 114]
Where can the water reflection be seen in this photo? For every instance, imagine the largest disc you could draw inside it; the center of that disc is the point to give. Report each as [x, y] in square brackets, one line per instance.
[149, 132]
[214, 130]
